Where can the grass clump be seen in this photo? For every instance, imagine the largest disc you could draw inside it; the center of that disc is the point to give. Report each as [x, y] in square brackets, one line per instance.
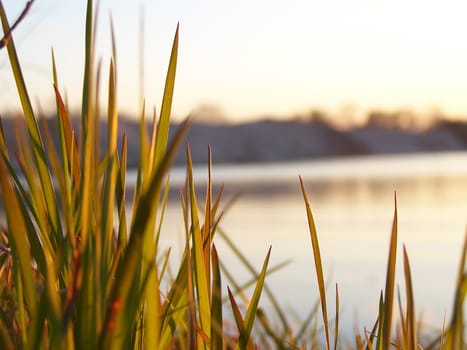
[79, 271]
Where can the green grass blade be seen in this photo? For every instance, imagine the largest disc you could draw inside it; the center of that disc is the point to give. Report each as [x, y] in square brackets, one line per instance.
[206, 229]
[455, 333]
[318, 263]
[216, 303]
[369, 341]
[129, 264]
[87, 105]
[33, 129]
[277, 309]
[23, 272]
[110, 178]
[411, 341]
[157, 147]
[390, 283]
[254, 303]
[379, 323]
[143, 151]
[166, 107]
[120, 195]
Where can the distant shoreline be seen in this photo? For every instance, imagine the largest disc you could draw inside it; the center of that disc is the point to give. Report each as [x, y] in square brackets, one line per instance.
[268, 140]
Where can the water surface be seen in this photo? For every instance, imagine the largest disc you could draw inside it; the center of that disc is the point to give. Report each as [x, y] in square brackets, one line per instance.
[353, 205]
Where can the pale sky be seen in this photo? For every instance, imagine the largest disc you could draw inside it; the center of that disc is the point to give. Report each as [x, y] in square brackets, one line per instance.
[256, 58]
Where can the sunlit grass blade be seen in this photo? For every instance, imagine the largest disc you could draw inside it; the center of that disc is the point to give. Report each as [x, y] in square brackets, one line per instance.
[318, 264]
[254, 303]
[122, 237]
[26, 206]
[411, 341]
[152, 306]
[67, 140]
[454, 338]
[86, 320]
[33, 129]
[216, 303]
[277, 309]
[390, 283]
[173, 309]
[110, 180]
[199, 264]
[166, 106]
[127, 271]
[206, 229]
[22, 269]
[157, 149]
[336, 327]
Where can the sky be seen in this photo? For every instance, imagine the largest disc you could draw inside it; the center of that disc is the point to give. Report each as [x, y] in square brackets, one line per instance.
[250, 59]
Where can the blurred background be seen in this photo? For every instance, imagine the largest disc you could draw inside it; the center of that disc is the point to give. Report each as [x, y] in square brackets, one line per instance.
[247, 60]
[362, 98]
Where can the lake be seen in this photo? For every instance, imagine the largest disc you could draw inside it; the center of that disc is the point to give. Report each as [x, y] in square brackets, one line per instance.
[353, 204]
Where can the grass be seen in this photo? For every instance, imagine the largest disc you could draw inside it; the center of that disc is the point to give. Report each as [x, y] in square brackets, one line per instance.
[78, 270]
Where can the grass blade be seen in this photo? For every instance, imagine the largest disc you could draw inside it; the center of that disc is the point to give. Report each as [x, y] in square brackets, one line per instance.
[455, 334]
[336, 327]
[127, 271]
[22, 268]
[318, 264]
[410, 319]
[199, 264]
[166, 107]
[33, 129]
[216, 303]
[390, 283]
[254, 303]
[236, 313]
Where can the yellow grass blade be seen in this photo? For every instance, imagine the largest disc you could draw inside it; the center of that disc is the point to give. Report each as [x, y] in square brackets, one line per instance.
[166, 106]
[336, 327]
[199, 264]
[390, 283]
[318, 264]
